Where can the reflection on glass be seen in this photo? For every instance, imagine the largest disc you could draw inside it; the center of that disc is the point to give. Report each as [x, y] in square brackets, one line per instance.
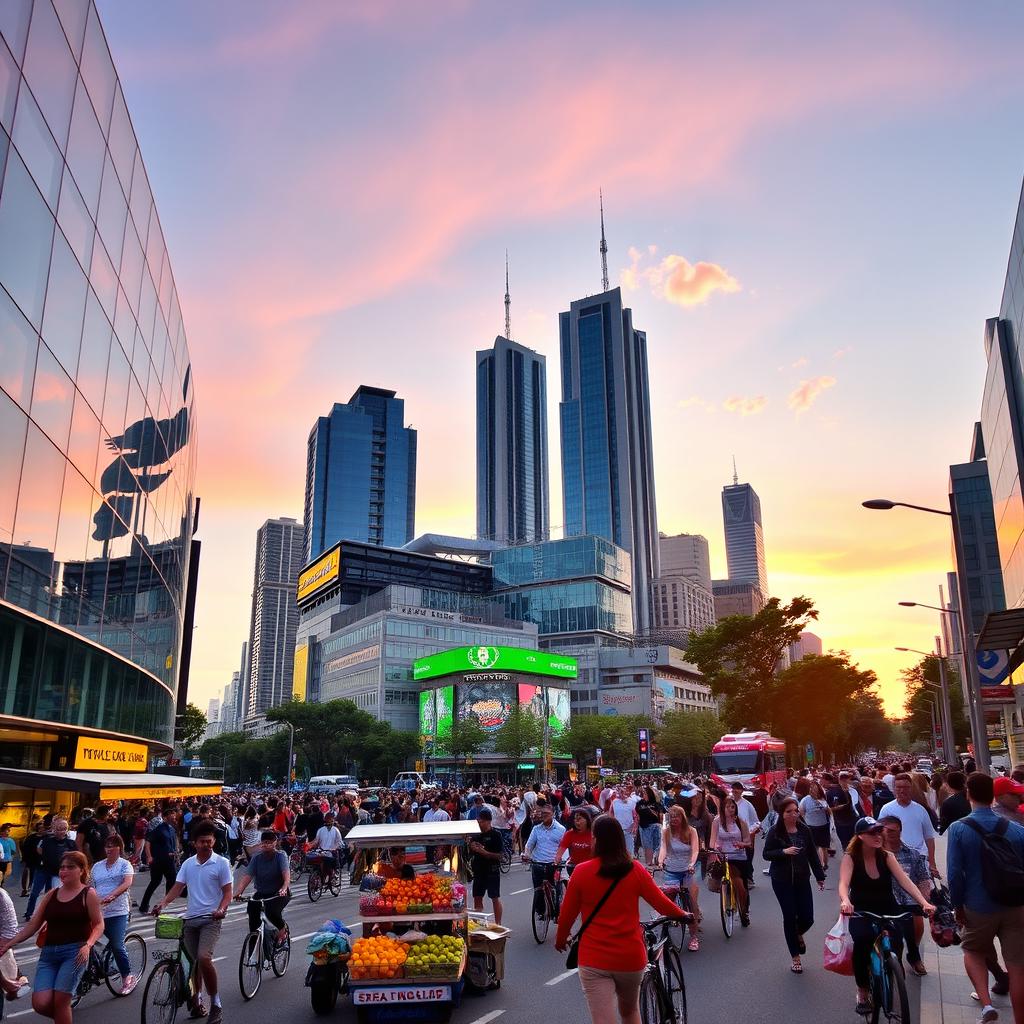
[18, 345]
[50, 69]
[52, 398]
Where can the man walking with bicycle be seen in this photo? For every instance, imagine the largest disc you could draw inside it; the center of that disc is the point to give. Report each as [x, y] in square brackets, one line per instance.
[208, 877]
[271, 878]
[541, 853]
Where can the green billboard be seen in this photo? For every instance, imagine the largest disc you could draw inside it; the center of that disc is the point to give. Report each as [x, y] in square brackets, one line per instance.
[494, 659]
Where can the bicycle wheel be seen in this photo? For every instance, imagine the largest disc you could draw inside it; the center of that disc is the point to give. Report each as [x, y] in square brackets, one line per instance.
[505, 864]
[162, 994]
[84, 985]
[541, 918]
[315, 885]
[279, 960]
[675, 985]
[650, 998]
[138, 956]
[295, 864]
[897, 1008]
[728, 908]
[250, 965]
[334, 882]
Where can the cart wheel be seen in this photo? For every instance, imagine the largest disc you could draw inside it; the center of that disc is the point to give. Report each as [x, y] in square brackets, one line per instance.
[323, 997]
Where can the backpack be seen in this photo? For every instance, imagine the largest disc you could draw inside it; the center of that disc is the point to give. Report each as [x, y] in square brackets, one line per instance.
[1002, 868]
[96, 833]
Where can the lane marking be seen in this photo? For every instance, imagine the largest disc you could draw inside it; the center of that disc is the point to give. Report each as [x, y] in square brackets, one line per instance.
[493, 1015]
[561, 977]
[529, 888]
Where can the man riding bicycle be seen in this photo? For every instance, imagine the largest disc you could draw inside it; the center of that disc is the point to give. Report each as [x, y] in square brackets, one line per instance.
[329, 844]
[541, 853]
[271, 876]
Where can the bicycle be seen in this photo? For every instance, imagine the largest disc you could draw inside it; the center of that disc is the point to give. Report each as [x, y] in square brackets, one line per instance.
[729, 908]
[102, 968]
[297, 862]
[680, 895]
[551, 892]
[259, 948]
[169, 986]
[319, 880]
[887, 977]
[663, 987]
[505, 864]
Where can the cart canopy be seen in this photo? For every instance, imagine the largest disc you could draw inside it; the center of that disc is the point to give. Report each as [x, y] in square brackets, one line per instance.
[411, 834]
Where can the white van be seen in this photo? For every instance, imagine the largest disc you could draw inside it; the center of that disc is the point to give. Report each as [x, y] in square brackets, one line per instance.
[333, 783]
[408, 781]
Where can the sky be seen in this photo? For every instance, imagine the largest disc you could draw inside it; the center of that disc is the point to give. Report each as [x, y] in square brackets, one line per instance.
[809, 208]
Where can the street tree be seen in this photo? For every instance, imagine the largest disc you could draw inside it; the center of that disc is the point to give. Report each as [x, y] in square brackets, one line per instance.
[581, 739]
[739, 657]
[190, 728]
[466, 738]
[687, 737]
[522, 733]
[332, 735]
[918, 701]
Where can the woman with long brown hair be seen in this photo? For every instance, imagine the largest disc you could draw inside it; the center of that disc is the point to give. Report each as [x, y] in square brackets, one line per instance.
[679, 856]
[730, 838]
[74, 921]
[612, 954]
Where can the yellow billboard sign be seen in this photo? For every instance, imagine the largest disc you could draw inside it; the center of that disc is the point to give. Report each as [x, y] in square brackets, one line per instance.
[301, 667]
[319, 574]
[159, 792]
[110, 755]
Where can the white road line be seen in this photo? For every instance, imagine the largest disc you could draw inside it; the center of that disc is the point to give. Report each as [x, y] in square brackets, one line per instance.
[493, 1015]
[560, 977]
[518, 891]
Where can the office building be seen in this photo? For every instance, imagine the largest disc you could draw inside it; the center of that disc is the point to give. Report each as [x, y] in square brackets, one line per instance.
[744, 538]
[681, 606]
[360, 474]
[732, 598]
[213, 726]
[511, 444]
[605, 423]
[649, 681]
[807, 646]
[687, 555]
[242, 689]
[275, 616]
[97, 414]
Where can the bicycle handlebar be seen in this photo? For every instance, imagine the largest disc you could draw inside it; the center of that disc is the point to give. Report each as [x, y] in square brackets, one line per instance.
[909, 912]
[661, 922]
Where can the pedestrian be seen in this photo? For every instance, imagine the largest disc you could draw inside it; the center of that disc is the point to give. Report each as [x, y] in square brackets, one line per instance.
[161, 852]
[52, 848]
[30, 858]
[606, 892]
[985, 915]
[271, 874]
[866, 876]
[649, 812]
[918, 832]
[486, 850]
[730, 839]
[578, 840]
[816, 815]
[13, 984]
[955, 806]
[916, 867]
[794, 855]
[1007, 800]
[112, 878]
[208, 878]
[74, 921]
[623, 807]
[748, 813]
[7, 851]
[844, 814]
[679, 857]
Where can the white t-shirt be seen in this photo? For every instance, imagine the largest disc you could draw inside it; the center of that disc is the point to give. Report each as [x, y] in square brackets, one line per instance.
[605, 798]
[890, 780]
[748, 813]
[328, 838]
[205, 883]
[105, 880]
[439, 815]
[917, 826]
[623, 811]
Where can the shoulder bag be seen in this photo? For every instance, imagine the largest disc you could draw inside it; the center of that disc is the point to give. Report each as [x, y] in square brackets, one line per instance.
[573, 958]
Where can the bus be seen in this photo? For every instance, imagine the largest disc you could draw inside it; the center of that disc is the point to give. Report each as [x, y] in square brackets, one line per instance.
[749, 757]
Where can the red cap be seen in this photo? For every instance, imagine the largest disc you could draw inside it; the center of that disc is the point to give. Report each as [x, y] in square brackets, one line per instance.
[1003, 786]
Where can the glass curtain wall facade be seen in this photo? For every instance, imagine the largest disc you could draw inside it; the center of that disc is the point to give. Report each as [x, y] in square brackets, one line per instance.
[511, 444]
[97, 416]
[361, 474]
[605, 422]
[744, 537]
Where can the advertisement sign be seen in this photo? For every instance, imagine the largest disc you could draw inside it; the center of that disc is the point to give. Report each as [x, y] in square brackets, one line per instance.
[532, 699]
[489, 703]
[319, 574]
[558, 709]
[159, 792]
[445, 697]
[485, 659]
[992, 666]
[625, 700]
[110, 755]
[997, 695]
[428, 719]
[300, 671]
[401, 994]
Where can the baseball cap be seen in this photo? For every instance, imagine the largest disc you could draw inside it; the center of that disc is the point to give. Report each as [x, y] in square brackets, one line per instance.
[1003, 786]
[867, 825]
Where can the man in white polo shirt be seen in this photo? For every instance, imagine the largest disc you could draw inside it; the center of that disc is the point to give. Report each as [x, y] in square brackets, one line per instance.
[208, 877]
[918, 831]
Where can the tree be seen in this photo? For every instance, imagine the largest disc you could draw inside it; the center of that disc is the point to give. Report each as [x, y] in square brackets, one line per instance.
[685, 736]
[581, 738]
[190, 728]
[522, 733]
[332, 735]
[243, 758]
[739, 655]
[615, 735]
[466, 737]
[387, 751]
[918, 702]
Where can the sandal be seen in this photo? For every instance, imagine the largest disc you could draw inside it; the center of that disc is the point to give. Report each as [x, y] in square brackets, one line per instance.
[694, 944]
[797, 967]
[919, 969]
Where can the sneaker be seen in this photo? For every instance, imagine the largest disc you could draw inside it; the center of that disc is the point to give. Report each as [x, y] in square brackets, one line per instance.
[990, 1013]
[745, 920]
[196, 1009]
[694, 944]
[130, 982]
[863, 1008]
[751, 884]
[216, 1015]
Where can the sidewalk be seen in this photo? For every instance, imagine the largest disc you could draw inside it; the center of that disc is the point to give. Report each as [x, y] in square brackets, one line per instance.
[946, 992]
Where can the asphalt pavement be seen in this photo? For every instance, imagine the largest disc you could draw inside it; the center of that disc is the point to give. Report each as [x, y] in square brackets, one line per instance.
[743, 979]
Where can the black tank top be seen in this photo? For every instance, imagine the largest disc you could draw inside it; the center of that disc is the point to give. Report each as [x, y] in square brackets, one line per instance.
[873, 894]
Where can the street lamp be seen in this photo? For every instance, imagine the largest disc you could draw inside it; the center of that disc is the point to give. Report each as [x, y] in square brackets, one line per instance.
[979, 731]
[947, 711]
[291, 744]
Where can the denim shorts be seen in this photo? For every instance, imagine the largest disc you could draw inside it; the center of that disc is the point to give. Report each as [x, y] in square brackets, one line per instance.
[57, 970]
[650, 836]
[681, 878]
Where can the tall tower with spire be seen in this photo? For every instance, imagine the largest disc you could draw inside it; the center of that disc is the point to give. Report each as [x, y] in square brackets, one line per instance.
[604, 247]
[744, 535]
[511, 439]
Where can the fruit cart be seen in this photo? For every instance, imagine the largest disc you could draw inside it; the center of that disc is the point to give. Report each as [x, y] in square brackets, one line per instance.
[398, 979]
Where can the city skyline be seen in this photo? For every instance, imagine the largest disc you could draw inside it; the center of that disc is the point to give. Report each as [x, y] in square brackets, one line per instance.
[779, 243]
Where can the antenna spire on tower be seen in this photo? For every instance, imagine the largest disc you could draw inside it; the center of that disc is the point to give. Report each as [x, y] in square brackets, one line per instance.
[508, 303]
[604, 246]
[735, 475]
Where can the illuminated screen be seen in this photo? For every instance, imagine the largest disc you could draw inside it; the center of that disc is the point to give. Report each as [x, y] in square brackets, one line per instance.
[532, 699]
[445, 709]
[489, 703]
[428, 719]
[558, 709]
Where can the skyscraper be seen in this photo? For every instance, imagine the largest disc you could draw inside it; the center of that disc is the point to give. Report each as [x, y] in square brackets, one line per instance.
[361, 474]
[275, 615]
[605, 422]
[686, 554]
[511, 441]
[744, 539]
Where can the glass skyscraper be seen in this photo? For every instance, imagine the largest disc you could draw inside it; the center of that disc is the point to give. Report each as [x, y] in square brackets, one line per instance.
[511, 444]
[97, 414]
[607, 460]
[361, 474]
[744, 538]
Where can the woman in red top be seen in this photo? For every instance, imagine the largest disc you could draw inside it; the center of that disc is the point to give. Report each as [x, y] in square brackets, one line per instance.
[579, 841]
[612, 954]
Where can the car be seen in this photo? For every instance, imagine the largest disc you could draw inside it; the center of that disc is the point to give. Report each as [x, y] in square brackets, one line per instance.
[334, 784]
[406, 782]
[924, 764]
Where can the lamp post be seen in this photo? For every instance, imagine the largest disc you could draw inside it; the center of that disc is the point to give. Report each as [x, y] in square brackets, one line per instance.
[945, 715]
[291, 744]
[979, 732]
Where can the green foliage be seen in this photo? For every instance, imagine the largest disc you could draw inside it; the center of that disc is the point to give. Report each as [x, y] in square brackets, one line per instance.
[917, 702]
[738, 657]
[688, 735]
[190, 728]
[245, 759]
[466, 738]
[522, 732]
[616, 735]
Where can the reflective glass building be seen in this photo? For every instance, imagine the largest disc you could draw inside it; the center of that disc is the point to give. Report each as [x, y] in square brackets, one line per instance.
[511, 444]
[744, 537]
[361, 474]
[97, 420]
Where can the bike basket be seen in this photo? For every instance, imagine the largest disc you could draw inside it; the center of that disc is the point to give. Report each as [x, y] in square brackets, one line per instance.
[169, 927]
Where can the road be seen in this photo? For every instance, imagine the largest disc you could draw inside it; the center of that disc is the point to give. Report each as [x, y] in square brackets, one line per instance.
[743, 979]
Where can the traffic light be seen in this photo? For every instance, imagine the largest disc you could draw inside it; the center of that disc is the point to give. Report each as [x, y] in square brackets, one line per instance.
[644, 743]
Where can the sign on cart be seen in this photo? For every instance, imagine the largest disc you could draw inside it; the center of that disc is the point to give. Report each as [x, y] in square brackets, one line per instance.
[401, 994]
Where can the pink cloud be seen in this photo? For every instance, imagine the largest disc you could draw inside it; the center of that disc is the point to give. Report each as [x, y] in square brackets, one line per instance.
[677, 280]
[807, 393]
[745, 406]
